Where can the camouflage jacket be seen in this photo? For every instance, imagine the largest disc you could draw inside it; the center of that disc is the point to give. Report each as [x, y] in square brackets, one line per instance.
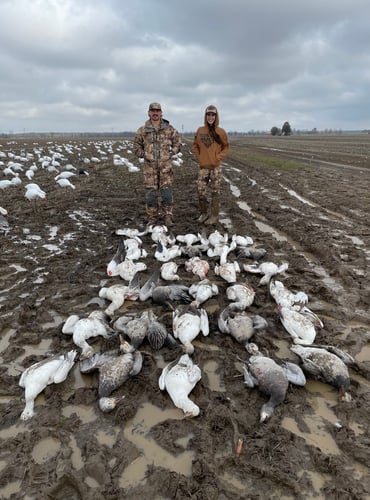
[157, 145]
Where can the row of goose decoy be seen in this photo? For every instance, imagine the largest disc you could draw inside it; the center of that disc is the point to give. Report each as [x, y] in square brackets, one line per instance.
[189, 319]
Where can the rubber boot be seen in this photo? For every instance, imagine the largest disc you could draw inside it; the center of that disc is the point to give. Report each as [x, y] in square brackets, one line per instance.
[215, 209]
[203, 207]
[152, 216]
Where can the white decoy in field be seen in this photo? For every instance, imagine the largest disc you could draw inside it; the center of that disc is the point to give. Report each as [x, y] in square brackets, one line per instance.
[169, 270]
[271, 379]
[65, 183]
[326, 366]
[240, 325]
[117, 294]
[227, 271]
[179, 379]
[4, 184]
[33, 192]
[36, 377]
[242, 296]
[197, 266]
[187, 325]
[114, 370]
[83, 329]
[64, 175]
[202, 291]
[268, 269]
[299, 326]
[4, 223]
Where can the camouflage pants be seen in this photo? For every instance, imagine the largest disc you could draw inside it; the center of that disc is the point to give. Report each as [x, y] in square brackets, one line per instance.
[158, 179]
[206, 176]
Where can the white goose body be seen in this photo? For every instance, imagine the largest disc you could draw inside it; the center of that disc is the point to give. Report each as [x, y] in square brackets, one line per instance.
[202, 291]
[169, 270]
[197, 266]
[227, 271]
[36, 377]
[268, 269]
[187, 326]
[117, 294]
[84, 328]
[299, 326]
[241, 295]
[179, 379]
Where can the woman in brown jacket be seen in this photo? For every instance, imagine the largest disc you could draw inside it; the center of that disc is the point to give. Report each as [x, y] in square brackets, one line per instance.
[210, 146]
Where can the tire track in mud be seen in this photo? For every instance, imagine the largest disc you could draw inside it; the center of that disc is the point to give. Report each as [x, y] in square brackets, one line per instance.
[333, 248]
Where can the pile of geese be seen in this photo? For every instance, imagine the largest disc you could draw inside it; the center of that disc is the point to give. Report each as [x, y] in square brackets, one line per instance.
[190, 319]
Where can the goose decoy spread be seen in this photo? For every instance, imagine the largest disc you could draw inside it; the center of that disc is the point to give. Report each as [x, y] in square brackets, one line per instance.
[271, 379]
[179, 379]
[36, 377]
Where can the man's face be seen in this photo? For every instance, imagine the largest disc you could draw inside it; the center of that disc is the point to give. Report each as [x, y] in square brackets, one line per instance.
[155, 114]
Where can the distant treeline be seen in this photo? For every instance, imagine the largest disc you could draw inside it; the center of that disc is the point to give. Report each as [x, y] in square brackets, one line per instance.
[128, 134]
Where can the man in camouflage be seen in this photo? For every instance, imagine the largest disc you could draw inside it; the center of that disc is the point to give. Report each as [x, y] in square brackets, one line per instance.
[156, 142]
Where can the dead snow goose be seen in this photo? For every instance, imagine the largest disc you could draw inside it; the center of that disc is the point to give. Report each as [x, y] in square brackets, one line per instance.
[271, 379]
[202, 291]
[240, 325]
[83, 329]
[169, 270]
[36, 377]
[268, 269]
[187, 325]
[299, 326]
[197, 266]
[242, 296]
[325, 366]
[179, 379]
[114, 370]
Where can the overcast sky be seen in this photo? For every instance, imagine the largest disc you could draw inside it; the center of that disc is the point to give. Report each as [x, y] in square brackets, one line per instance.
[95, 65]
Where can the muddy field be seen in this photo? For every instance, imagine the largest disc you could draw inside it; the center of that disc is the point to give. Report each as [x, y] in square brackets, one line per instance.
[306, 202]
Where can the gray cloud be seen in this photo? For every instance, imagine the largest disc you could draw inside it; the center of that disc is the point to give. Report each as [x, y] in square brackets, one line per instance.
[95, 65]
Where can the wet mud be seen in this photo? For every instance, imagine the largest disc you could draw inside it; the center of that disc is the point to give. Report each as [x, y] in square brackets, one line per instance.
[306, 202]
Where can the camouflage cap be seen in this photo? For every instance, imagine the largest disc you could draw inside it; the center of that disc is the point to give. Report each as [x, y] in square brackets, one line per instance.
[155, 105]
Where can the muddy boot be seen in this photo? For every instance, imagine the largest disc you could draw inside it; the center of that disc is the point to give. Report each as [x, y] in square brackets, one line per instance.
[215, 209]
[152, 216]
[168, 218]
[203, 207]
[168, 221]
